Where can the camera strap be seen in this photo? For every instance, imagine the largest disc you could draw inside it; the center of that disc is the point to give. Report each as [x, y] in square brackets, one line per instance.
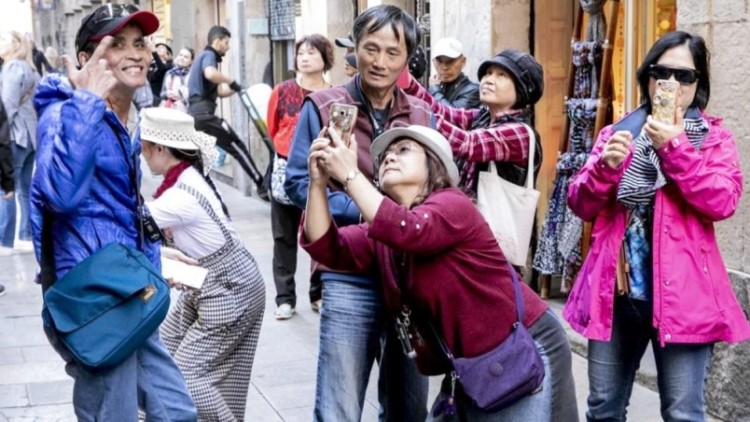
[378, 123]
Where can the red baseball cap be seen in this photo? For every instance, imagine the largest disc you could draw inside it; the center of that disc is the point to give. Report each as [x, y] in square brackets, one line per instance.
[110, 18]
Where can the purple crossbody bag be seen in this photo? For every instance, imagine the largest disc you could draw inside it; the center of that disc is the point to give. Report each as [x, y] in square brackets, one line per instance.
[502, 376]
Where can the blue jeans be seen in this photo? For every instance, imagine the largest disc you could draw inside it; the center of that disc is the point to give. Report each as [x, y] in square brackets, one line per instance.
[351, 329]
[148, 380]
[23, 166]
[7, 220]
[682, 369]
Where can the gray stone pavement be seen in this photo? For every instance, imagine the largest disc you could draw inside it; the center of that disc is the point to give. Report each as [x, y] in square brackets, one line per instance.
[34, 386]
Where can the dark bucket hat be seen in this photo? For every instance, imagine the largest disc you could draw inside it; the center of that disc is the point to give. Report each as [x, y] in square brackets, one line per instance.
[527, 74]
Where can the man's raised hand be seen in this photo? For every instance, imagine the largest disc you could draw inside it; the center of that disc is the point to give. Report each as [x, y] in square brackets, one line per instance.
[95, 75]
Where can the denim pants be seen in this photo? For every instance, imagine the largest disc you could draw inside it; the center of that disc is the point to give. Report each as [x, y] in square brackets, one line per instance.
[351, 329]
[23, 166]
[555, 401]
[7, 220]
[148, 380]
[682, 369]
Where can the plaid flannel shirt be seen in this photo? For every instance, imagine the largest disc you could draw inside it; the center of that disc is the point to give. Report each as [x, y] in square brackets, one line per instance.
[505, 142]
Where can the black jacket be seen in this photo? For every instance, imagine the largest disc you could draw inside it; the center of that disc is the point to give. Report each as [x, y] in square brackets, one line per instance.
[461, 93]
[156, 72]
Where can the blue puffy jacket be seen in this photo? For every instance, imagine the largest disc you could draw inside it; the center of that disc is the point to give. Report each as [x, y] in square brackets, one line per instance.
[82, 177]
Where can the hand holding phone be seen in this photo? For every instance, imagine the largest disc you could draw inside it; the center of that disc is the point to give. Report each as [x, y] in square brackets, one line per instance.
[343, 117]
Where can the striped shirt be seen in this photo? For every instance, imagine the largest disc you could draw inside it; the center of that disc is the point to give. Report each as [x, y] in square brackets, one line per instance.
[644, 176]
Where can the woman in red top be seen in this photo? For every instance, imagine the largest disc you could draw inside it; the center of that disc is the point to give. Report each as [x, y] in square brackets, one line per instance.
[314, 57]
[453, 271]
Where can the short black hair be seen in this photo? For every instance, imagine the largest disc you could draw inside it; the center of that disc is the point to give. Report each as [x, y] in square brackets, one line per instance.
[697, 46]
[320, 43]
[218, 32]
[375, 18]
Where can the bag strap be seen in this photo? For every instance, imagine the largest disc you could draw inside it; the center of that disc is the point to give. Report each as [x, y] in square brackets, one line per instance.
[48, 268]
[352, 87]
[530, 166]
[519, 314]
[133, 172]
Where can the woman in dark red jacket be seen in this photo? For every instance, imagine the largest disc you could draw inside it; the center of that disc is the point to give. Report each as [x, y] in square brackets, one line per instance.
[453, 271]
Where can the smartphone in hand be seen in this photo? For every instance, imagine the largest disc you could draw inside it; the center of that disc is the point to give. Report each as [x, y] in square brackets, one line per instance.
[343, 118]
[664, 101]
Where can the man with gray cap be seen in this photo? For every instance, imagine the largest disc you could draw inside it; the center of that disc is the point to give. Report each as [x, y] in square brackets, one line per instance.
[83, 198]
[451, 86]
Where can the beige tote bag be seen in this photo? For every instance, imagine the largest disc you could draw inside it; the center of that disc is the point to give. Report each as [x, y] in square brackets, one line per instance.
[510, 209]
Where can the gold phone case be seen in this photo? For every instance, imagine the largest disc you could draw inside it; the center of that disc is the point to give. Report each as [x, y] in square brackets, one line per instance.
[664, 102]
[343, 118]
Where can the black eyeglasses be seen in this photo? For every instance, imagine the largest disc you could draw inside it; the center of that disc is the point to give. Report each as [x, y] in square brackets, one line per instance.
[681, 75]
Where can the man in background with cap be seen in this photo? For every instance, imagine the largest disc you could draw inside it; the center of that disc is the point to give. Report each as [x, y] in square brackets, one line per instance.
[345, 42]
[450, 86]
[206, 84]
[83, 198]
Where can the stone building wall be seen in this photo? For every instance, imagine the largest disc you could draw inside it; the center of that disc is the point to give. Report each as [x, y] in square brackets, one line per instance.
[725, 24]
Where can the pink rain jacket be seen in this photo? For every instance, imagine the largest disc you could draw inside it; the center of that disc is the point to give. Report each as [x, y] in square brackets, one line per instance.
[692, 295]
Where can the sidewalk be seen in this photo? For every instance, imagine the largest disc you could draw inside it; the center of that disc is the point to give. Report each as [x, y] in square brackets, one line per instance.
[34, 386]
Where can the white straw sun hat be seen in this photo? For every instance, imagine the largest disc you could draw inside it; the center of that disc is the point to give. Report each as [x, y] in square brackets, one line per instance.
[176, 129]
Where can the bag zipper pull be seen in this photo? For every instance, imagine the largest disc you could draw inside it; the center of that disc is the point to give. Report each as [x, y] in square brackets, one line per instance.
[450, 406]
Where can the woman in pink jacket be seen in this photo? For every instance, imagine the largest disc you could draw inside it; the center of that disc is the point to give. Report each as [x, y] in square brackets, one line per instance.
[654, 190]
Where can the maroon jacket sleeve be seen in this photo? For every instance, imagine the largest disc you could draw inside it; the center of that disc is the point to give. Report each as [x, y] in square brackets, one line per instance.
[439, 223]
[342, 249]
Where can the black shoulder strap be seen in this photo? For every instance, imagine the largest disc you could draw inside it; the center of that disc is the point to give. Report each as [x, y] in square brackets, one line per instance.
[132, 170]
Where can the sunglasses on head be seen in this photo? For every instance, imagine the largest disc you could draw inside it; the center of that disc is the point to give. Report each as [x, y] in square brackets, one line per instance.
[112, 11]
[103, 14]
[683, 76]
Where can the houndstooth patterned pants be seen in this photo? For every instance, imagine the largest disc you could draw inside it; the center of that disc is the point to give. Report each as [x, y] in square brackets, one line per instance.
[213, 334]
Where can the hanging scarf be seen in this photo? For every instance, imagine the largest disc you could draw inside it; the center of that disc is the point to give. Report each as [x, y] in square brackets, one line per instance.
[171, 178]
[644, 175]
[178, 71]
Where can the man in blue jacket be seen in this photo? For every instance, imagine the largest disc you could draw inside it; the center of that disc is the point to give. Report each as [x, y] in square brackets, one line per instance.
[84, 196]
[352, 317]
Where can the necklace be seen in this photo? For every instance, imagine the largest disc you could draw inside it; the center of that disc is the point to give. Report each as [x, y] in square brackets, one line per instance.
[322, 84]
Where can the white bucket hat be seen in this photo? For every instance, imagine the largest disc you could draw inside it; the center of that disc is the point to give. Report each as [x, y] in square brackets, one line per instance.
[425, 136]
[176, 129]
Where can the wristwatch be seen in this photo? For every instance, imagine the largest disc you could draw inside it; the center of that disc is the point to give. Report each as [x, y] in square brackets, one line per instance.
[350, 176]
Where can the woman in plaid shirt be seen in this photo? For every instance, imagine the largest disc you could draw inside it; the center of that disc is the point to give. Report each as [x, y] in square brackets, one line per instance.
[510, 84]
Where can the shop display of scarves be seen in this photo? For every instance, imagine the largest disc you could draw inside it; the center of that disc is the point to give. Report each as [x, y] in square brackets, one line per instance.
[559, 247]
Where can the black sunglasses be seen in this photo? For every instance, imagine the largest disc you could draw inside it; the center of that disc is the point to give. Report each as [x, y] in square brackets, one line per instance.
[683, 76]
